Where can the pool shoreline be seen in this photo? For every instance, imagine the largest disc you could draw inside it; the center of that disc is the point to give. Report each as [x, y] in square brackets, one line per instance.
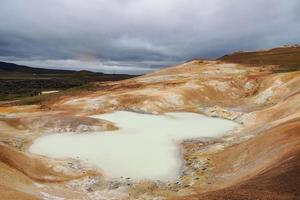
[163, 158]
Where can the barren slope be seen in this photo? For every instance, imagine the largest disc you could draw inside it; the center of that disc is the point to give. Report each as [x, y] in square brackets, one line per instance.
[260, 160]
[286, 57]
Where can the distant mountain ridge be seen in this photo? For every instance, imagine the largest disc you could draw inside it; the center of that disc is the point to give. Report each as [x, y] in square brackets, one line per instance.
[287, 56]
[11, 67]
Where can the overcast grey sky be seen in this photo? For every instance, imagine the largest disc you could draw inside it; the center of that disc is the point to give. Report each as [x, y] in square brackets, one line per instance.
[135, 36]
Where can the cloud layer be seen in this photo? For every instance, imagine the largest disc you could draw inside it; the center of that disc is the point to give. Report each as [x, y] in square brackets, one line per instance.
[136, 36]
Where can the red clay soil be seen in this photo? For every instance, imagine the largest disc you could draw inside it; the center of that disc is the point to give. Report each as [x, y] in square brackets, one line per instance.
[281, 182]
[11, 194]
[278, 183]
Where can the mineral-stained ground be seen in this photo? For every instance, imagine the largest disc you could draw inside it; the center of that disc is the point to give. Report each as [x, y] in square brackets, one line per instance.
[259, 160]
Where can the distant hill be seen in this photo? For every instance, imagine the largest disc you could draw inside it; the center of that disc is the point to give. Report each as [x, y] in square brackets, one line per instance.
[11, 67]
[285, 57]
[17, 81]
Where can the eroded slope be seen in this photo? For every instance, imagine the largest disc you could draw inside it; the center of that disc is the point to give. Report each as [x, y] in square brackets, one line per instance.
[267, 105]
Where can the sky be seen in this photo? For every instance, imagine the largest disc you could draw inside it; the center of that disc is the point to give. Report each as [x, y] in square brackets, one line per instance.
[138, 36]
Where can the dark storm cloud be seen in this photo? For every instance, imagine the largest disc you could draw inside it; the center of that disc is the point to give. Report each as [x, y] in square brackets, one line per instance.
[138, 35]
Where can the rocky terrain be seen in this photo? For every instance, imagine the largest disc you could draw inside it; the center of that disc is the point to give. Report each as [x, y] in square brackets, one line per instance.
[259, 160]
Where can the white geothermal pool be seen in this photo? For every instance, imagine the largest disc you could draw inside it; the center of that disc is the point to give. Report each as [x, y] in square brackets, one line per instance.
[144, 147]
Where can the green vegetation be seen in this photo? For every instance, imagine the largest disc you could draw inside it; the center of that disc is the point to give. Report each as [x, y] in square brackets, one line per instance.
[25, 83]
[47, 97]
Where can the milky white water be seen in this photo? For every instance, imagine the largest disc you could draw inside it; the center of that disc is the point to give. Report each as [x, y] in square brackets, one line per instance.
[144, 147]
